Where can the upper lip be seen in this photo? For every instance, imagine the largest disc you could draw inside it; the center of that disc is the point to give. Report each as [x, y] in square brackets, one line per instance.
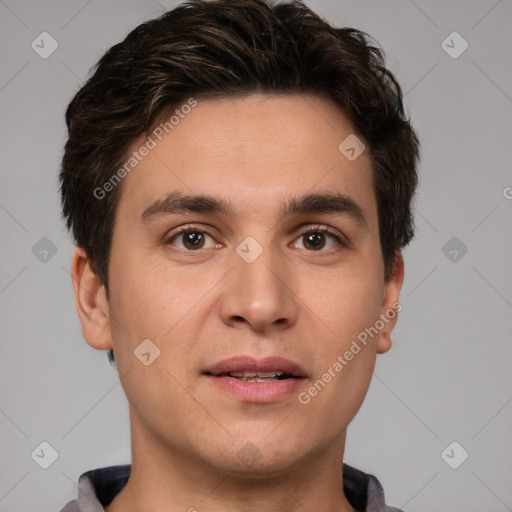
[251, 364]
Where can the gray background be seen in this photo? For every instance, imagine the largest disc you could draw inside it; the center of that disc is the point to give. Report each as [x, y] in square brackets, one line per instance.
[447, 377]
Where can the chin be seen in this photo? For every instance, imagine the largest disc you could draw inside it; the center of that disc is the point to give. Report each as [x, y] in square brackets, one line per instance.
[254, 457]
[264, 468]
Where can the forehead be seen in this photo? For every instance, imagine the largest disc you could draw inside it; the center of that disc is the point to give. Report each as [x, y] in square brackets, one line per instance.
[252, 149]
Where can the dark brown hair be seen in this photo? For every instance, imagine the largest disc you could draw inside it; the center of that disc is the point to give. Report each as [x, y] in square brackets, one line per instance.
[226, 48]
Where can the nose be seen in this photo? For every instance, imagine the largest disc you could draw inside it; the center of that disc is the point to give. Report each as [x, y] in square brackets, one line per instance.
[260, 294]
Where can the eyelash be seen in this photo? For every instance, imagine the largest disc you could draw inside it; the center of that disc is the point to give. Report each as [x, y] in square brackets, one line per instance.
[312, 229]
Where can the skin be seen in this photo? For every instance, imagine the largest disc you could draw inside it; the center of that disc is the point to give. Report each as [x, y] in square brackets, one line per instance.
[203, 306]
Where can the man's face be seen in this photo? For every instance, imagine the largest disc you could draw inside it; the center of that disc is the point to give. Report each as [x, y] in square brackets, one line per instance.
[253, 284]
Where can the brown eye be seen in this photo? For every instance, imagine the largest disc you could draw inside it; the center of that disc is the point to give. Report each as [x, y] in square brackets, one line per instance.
[317, 239]
[191, 239]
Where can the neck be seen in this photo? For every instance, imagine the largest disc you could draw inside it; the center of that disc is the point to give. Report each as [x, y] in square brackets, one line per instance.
[166, 479]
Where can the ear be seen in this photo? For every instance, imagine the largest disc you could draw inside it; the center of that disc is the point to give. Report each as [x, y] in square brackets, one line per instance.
[91, 302]
[390, 304]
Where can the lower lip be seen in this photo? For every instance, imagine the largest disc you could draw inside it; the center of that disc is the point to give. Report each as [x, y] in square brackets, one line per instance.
[259, 392]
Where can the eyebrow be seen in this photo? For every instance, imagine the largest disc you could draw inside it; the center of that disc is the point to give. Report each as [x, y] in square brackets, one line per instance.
[332, 203]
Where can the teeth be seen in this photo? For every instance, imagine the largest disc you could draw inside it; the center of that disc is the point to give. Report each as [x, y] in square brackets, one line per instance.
[251, 375]
[255, 379]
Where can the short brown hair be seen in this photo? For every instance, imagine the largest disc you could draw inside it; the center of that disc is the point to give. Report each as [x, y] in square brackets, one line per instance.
[226, 48]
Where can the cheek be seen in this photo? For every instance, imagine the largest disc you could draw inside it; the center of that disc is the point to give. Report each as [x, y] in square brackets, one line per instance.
[150, 303]
[345, 303]
[344, 368]
[146, 299]
[346, 308]
[158, 301]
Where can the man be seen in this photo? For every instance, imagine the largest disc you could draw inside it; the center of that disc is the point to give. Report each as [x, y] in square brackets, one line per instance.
[238, 179]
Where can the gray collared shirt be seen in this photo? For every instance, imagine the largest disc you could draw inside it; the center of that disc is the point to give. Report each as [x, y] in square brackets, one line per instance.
[98, 487]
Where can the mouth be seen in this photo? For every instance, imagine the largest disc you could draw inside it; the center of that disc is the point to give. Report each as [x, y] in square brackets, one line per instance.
[248, 367]
[257, 377]
[257, 380]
